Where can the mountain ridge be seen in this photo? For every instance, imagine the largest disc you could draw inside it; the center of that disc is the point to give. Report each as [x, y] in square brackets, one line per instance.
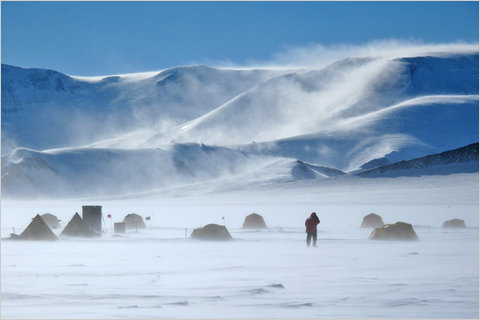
[464, 155]
[193, 124]
[61, 173]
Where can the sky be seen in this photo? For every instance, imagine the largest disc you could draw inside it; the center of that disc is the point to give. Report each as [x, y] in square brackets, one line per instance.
[102, 38]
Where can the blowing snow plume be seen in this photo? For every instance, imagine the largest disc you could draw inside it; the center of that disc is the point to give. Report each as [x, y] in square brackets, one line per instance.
[379, 103]
[324, 100]
[82, 111]
[319, 56]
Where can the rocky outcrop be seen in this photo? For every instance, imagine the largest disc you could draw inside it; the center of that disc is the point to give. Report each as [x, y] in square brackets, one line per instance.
[396, 231]
[454, 223]
[254, 221]
[372, 220]
[211, 232]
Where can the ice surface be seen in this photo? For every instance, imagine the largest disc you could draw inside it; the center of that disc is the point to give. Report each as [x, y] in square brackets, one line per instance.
[158, 273]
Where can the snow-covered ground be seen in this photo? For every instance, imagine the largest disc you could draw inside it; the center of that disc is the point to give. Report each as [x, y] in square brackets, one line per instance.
[158, 273]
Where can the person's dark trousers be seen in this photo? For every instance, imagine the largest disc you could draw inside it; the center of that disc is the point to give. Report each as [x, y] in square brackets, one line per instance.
[311, 235]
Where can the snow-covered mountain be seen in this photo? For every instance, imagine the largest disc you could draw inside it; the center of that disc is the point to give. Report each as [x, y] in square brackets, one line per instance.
[44, 109]
[77, 136]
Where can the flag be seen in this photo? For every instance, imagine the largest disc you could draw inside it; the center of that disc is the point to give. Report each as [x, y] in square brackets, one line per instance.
[147, 218]
[109, 215]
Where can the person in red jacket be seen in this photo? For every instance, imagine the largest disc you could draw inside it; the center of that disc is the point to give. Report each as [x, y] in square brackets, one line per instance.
[311, 229]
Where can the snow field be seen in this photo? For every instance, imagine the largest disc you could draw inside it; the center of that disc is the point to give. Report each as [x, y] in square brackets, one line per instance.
[267, 274]
[158, 273]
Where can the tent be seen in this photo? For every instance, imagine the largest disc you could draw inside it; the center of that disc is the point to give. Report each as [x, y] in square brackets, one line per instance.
[372, 220]
[76, 227]
[395, 231]
[38, 230]
[254, 221]
[454, 223]
[51, 220]
[211, 232]
[134, 221]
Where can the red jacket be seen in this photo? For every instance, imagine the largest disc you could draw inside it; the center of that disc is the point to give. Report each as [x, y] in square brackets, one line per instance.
[311, 223]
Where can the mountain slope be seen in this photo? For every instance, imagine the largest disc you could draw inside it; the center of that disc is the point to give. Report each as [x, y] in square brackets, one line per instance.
[336, 99]
[44, 109]
[84, 172]
[65, 136]
[461, 160]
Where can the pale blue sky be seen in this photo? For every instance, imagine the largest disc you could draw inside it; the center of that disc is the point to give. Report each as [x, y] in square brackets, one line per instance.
[98, 38]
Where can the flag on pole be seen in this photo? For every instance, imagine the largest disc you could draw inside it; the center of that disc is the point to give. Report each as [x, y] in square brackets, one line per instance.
[109, 216]
[147, 218]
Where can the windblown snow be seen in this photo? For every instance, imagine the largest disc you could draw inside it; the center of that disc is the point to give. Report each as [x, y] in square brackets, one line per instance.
[394, 132]
[65, 136]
